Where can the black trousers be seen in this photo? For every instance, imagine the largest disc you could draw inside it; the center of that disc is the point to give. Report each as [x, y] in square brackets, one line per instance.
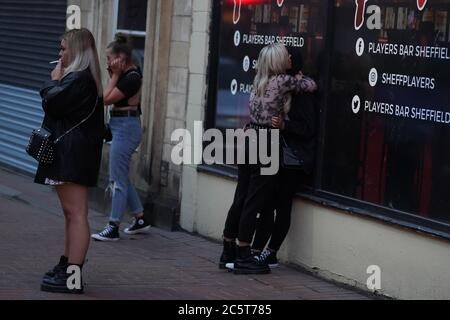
[254, 194]
[276, 227]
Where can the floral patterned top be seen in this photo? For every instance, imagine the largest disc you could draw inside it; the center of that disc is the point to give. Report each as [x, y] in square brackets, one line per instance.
[262, 109]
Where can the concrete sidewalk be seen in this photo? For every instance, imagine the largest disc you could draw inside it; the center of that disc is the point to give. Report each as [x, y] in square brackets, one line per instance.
[161, 265]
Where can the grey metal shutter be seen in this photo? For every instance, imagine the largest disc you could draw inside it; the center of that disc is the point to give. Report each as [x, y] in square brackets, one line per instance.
[29, 40]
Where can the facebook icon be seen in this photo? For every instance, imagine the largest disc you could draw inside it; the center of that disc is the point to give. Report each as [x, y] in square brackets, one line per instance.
[360, 47]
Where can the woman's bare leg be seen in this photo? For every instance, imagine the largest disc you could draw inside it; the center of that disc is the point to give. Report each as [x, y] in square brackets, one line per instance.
[66, 238]
[74, 201]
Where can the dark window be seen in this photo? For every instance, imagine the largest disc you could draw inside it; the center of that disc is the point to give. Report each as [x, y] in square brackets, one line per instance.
[389, 146]
[300, 23]
[132, 15]
[132, 20]
[384, 136]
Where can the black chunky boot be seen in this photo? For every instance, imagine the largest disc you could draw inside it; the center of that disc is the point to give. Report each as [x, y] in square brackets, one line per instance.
[228, 254]
[63, 281]
[246, 263]
[62, 265]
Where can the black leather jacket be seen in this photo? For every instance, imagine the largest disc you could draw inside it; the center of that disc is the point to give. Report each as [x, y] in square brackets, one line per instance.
[78, 155]
[300, 130]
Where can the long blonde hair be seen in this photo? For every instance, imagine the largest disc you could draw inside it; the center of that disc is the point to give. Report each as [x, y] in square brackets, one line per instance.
[273, 60]
[83, 54]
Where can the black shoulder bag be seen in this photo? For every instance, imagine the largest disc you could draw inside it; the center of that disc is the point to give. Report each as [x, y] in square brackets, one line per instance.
[290, 158]
[41, 146]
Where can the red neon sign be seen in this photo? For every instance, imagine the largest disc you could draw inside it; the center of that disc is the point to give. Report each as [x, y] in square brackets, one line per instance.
[421, 4]
[359, 15]
[238, 5]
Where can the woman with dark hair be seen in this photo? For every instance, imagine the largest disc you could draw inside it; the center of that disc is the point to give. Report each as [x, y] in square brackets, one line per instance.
[73, 106]
[123, 92]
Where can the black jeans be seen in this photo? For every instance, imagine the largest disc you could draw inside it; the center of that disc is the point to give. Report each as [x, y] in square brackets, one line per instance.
[253, 195]
[277, 227]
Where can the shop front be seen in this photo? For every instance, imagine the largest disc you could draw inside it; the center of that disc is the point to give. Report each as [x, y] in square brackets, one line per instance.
[379, 193]
[377, 203]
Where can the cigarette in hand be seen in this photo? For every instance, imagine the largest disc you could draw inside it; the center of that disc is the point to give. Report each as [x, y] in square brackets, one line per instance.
[54, 62]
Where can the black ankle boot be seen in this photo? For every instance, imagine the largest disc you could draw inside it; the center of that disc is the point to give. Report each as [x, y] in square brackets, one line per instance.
[63, 281]
[228, 253]
[62, 265]
[246, 263]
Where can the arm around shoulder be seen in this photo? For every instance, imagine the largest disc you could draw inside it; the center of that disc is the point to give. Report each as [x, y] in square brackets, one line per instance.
[297, 84]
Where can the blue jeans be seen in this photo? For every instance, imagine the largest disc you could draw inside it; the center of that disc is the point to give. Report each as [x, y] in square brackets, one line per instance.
[126, 133]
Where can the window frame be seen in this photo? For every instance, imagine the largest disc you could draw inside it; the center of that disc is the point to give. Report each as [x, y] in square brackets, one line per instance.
[124, 31]
[131, 33]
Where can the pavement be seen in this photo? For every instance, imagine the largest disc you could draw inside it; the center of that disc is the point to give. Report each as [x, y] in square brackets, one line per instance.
[160, 265]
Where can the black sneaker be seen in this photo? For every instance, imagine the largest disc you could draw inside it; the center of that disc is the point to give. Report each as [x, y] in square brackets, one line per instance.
[110, 233]
[59, 283]
[246, 263]
[139, 225]
[228, 254]
[230, 265]
[268, 257]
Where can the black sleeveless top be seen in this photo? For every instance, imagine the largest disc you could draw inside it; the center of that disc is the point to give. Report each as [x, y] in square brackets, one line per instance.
[129, 84]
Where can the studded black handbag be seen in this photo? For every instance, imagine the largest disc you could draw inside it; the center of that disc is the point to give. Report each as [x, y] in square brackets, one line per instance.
[41, 145]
